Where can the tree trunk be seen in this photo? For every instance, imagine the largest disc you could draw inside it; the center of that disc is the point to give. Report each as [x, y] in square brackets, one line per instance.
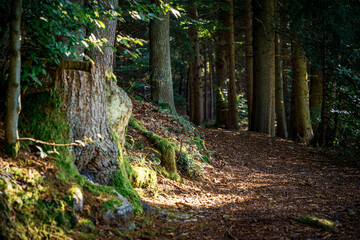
[13, 103]
[324, 114]
[206, 109]
[84, 101]
[301, 126]
[263, 111]
[279, 93]
[160, 64]
[198, 114]
[249, 58]
[315, 98]
[286, 80]
[221, 72]
[212, 78]
[233, 113]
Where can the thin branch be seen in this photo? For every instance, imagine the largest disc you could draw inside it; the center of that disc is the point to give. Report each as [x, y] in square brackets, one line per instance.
[53, 144]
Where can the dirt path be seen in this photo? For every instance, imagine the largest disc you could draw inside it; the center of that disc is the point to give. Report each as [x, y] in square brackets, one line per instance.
[255, 188]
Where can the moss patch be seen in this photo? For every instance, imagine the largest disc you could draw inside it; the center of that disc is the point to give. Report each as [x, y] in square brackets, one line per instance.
[142, 177]
[44, 209]
[166, 148]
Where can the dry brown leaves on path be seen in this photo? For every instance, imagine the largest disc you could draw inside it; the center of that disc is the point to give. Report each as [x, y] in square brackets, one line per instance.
[255, 187]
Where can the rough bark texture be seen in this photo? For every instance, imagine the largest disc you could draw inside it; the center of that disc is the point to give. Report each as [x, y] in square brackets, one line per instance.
[279, 93]
[160, 64]
[118, 110]
[301, 127]
[249, 58]
[84, 101]
[221, 72]
[263, 112]
[315, 98]
[13, 104]
[197, 93]
[233, 113]
[205, 59]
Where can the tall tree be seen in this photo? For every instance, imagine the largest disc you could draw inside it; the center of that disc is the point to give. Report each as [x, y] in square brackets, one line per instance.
[279, 92]
[301, 126]
[233, 113]
[196, 95]
[263, 111]
[13, 104]
[160, 64]
[221, 70]
[315, 97]
[249, 58]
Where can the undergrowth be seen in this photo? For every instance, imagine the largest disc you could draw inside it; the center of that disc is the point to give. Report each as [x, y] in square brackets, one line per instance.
[44, 209]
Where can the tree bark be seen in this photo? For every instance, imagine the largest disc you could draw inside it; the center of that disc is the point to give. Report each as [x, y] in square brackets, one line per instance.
[279, 93]
[315, 97]
[221, 72]
[160, 64]
[197, 94]
[249, 58]
[84, 101]
[233, 113]
[212, 78]
[301, 126]
[263, 111]
[206, 109]
[13, 106]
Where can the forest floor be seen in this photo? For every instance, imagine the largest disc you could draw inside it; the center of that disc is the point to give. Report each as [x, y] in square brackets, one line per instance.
[255, 187]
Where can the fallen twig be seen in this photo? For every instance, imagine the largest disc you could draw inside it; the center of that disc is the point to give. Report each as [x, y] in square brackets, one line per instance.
[77, 143]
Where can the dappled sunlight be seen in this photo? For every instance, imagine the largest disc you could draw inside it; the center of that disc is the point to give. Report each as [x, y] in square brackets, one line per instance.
[255, 185]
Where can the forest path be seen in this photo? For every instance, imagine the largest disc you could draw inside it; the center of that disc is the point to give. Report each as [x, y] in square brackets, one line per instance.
[254, 188]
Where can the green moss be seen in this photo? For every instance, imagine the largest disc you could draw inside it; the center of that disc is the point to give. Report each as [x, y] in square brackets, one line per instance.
[86, 225]
[166, 148]
[3, 185]
[43, 119]
[109, 204]
[318, 222]
[142, 177]
[120, 181]
[138, 144]
[12, 149]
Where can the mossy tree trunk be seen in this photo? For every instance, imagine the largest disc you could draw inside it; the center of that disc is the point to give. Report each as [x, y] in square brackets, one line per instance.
[13, 104]
[84, 101]
[233, 113]
[160, 64]
[301, 126]
[263, 111]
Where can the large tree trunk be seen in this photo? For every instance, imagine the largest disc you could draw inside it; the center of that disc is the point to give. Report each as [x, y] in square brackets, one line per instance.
[301, 126]
[84, 101]
[160, 64]
[233, 113]
[197, 93]
[13, 103]
[249, 58]
[315, 97]
[263, 112]
[279, 93]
